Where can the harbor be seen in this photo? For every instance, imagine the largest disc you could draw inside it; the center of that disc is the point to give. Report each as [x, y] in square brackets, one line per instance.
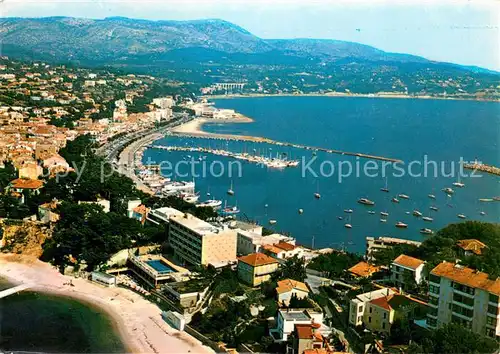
[204, 135]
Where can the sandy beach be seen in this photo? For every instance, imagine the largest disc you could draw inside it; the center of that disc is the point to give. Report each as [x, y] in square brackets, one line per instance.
[138, 321]
[195, 126]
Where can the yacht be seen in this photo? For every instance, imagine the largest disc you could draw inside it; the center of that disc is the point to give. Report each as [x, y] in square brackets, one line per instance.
[385, 189]
[190, 197]
[427, 218]
[485, 200]
[317, 195]
[211, 203]
[340, 217]
[417, 213]
[448, 190]
[403, 196]
[383, 220]
[461, 216]
[482, 213]
[178, 187]
[458, 184]
[230, 191]
[348, 226]
[426, 231]
[384, 214]
[272, 222]
[395, 200]
[371, 212]
[365, 201]
[301, 211]
[230, 210]
[401, 225]
[348, 211]
[435, 208]
[432, 196]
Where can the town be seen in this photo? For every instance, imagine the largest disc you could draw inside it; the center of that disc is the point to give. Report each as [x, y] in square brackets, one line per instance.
[234, 285]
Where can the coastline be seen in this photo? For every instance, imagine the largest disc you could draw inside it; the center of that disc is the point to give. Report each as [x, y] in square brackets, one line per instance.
[341, 94]
[138, 322]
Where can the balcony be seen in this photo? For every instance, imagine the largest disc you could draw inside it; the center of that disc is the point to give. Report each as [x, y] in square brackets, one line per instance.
[470, 307]
[459, 315]
[463, 293]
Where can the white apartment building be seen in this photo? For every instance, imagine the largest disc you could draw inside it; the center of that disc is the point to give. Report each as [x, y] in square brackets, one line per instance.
[252, 242]
[195, 241]
[405, 267]
[464, 296]
[360, 310]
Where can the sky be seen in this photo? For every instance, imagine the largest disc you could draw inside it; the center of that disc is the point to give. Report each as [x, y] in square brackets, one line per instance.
[458, 31]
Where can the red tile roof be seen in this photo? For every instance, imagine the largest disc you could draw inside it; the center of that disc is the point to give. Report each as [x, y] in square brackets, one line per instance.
[287, 285]
[22, 183]
[257, 259]
[473, 245]
[363, 269]
[407, 261]
[467, 276]
[382, 302]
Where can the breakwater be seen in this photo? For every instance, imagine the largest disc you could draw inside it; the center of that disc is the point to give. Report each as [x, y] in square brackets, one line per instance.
[483, 168]
[203, 135]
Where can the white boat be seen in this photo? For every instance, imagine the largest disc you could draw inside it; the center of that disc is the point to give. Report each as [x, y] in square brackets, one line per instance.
[190, 197]
[403, 196]
[317, 195]
[348, 226]
[435, 208]
[301, 211]
[482, 213]
[371, 212]
[426, 231]
[383, 213]
[448, 190]
[366, 201]
[486, 200]
[348, 211]
[178, 187]
[340, 217]
[427, 218]
[211, 203]
[461, 216]
[383, 220]
[432, 196]
[401, 225]
[458, 184]
[417, 213]
[272, 222]
[230, 191]
[395, 200]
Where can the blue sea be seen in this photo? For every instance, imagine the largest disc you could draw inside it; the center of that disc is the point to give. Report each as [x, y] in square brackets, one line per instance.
[443, 131]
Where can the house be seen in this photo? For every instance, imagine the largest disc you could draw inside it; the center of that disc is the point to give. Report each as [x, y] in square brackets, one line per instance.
[287, 319]
[470, 247]
[358, 309]
[288, 287]
[363, 270]
[251, 241]
[282, 250]
[140, 213]
[307, 336]
[404, 268]
[46, 212]
[256, 268]
[22, 185]
[464, 296]
[30, 171]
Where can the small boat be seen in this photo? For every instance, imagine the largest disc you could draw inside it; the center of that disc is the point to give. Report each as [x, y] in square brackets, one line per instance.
[340, 218]
[272, 222]
[482, 213]
[301, 211]
[317, 195]
[401, 225]
[371, 212]
[432, 196]
[496, 199]
[426, 231]
[407, 212]
[348, 211]
[385, 189]
[403, 196]
[348, 226]
[461, 216]
[417, 213]
[384, 214]
[458, 184]
[212, 203]
[383, 220]
[366, 201]
[486, 200]
[395, 200]
[427, 218]
[435, 208]
[448, 190]
[230, 191]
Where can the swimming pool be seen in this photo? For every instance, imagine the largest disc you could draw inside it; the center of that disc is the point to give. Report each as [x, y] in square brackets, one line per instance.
[160, 266]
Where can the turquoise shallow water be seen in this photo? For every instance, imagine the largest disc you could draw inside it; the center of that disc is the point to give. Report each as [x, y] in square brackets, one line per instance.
[44, 323]
[398, 128]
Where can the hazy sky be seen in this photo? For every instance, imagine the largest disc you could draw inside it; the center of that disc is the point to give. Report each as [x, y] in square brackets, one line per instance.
[464, 32]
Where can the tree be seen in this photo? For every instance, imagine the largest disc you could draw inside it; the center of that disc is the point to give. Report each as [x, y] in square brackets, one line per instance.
[293, 268]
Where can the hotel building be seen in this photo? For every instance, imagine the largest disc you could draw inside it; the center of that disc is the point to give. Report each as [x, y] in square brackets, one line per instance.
[197, 242]
[465, 296]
